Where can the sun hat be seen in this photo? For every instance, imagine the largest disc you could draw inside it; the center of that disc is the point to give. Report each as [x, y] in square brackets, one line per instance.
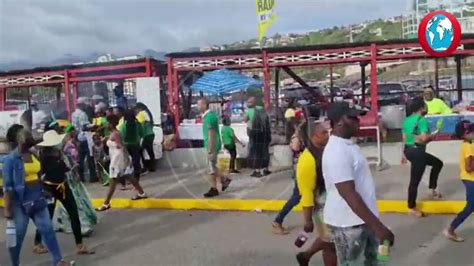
[51, 138]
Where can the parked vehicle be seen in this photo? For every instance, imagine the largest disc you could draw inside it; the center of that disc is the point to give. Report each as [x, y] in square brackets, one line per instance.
[390, 93]
[312, 94]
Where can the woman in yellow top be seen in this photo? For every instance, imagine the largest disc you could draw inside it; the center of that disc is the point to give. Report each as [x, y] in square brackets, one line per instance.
[23, 196]
[464, 131]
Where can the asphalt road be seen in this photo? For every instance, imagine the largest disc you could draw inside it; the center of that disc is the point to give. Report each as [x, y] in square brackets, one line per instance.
[155, 237]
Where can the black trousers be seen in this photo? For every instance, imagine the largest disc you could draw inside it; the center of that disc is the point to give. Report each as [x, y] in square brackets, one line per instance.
[134, 151]
[69, 203]
[84, 154]
[147, 145]
[233, 155]
[419, 159]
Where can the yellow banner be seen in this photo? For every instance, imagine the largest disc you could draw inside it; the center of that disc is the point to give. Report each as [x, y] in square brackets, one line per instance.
[265, 16]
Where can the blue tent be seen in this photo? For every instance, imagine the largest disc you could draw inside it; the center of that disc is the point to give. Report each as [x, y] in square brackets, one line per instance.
[224, 81]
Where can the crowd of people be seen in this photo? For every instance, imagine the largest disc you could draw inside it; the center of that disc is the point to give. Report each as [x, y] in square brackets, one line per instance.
[108, 143]
[333, 181]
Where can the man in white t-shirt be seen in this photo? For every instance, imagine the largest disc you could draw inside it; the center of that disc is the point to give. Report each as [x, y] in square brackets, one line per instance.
[351, 209]
[38, 117]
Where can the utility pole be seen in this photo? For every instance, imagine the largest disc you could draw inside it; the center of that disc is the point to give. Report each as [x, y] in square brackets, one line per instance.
[351, 39]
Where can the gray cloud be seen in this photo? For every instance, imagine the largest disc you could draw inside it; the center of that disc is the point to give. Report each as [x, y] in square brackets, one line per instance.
[38, 31]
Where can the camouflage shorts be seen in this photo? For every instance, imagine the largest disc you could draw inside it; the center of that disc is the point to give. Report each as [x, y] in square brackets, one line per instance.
[355, 246]
[321, 228]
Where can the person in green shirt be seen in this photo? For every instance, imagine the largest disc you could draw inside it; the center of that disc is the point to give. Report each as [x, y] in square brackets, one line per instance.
[229, 139]
[416, 135]
[131, 133]
[251, 107]
[145, 118]
[212, 144]
[435, 105]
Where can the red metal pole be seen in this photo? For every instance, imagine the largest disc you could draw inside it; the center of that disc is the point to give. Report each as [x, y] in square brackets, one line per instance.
[373, 79]
[74, 95]
[170, 84]
[2, 98]
[66, 94]
[148, 67]
[108, 77]
[266, 79]
[176, 99]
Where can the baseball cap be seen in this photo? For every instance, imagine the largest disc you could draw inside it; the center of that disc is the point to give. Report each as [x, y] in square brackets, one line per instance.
[340, 109]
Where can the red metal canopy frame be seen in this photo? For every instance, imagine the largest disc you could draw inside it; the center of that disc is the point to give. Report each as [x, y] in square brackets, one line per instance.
[271, 58]
[72, 74]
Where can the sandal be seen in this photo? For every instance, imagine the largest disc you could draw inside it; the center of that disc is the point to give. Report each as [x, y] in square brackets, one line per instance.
[139, 197]
[82, 250]
[39, 249]
[452, 237]
[65, 263]
[416, 213]
[104, 207]
[435, 195]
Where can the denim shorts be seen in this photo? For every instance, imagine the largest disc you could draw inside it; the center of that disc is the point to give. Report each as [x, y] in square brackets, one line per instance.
[355, 245]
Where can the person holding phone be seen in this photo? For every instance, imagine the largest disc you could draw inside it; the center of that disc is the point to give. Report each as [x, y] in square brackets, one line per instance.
[416, 135]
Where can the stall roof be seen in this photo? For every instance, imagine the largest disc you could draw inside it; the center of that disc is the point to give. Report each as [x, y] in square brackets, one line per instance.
[295, 48]
[161, 64]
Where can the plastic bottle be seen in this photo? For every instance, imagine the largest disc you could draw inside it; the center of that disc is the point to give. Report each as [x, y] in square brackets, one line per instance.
[10, 234]
[301, 239]
[384, 252]
[439, 124]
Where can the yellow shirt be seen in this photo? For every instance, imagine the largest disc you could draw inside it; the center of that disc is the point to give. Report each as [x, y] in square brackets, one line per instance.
[31, 170]
[290, 113]
[120, 123]
[437, 107]
[97, 121]
[306, 178]
[467, 150]
[141, 117]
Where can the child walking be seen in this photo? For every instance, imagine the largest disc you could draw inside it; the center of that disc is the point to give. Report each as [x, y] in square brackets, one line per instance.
[120, 164]
[229, 139]
[464, 131]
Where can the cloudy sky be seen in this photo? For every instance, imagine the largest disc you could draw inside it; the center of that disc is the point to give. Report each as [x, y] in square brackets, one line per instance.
[42, 30]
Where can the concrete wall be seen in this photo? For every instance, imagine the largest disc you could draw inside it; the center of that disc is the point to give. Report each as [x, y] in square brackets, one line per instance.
[447, 151]
[184, 158]
[195, 158]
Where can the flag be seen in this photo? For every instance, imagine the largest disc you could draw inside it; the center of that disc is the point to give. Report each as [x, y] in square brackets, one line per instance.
[265, 16]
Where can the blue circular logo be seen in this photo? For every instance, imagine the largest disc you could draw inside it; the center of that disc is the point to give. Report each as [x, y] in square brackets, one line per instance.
[439, 33]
